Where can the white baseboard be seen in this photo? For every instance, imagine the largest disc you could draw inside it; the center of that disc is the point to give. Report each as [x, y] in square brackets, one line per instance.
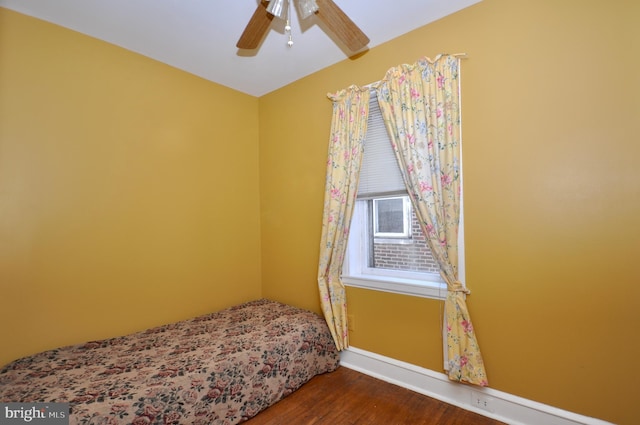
[501, 406]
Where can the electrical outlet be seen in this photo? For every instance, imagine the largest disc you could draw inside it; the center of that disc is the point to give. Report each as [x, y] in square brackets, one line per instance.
[481, 401]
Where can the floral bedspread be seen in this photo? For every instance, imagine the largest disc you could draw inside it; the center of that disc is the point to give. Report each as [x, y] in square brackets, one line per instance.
[220, 368]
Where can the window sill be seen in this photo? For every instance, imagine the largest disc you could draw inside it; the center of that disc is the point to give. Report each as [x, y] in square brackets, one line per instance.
[391, 241]
[424, 289]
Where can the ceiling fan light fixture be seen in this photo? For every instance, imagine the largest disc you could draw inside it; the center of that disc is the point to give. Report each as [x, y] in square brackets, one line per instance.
[278, 8]
[327, 12]
[307, 8]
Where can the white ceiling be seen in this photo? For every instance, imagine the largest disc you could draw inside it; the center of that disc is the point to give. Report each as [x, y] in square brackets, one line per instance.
[199, 36]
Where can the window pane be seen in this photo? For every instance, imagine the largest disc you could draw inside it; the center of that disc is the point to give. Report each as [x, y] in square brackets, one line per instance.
[390, 215]
[410, 254]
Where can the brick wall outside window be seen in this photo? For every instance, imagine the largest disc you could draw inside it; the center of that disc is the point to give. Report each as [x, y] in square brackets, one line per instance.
[405, 254]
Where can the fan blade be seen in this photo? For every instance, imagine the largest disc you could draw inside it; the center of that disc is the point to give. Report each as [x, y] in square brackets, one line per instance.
[256, 28]
[340, 24]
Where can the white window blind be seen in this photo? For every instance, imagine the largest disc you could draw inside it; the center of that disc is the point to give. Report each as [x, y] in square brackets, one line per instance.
[380, 173]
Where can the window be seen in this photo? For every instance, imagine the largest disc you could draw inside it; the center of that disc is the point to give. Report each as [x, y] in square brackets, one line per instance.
[392, 217]
[387, 250]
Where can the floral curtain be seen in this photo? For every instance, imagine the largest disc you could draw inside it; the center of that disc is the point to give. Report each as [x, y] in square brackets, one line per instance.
[348, 130]
[421, 110]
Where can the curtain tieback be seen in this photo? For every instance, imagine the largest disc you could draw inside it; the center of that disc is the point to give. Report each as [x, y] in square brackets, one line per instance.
[458, 287]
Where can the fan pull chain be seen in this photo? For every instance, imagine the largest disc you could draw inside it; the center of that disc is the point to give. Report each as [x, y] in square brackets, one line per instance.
[287, 27]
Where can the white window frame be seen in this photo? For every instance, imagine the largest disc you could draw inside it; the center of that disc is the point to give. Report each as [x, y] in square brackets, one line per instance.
[356, 274]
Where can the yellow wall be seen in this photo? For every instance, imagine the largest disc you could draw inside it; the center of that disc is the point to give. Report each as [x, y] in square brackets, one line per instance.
[128, 190]
[552, 195]
[115, 171]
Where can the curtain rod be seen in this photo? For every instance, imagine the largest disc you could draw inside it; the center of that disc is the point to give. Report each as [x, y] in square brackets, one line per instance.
[457, 55]
[371, 85]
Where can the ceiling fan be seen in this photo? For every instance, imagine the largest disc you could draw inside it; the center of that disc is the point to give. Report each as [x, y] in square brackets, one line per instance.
[326, 10]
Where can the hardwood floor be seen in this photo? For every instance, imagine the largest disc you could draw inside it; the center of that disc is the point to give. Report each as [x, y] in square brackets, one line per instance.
[347, 397]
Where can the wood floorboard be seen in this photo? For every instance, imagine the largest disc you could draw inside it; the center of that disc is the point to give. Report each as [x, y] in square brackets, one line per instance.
[347, 397]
